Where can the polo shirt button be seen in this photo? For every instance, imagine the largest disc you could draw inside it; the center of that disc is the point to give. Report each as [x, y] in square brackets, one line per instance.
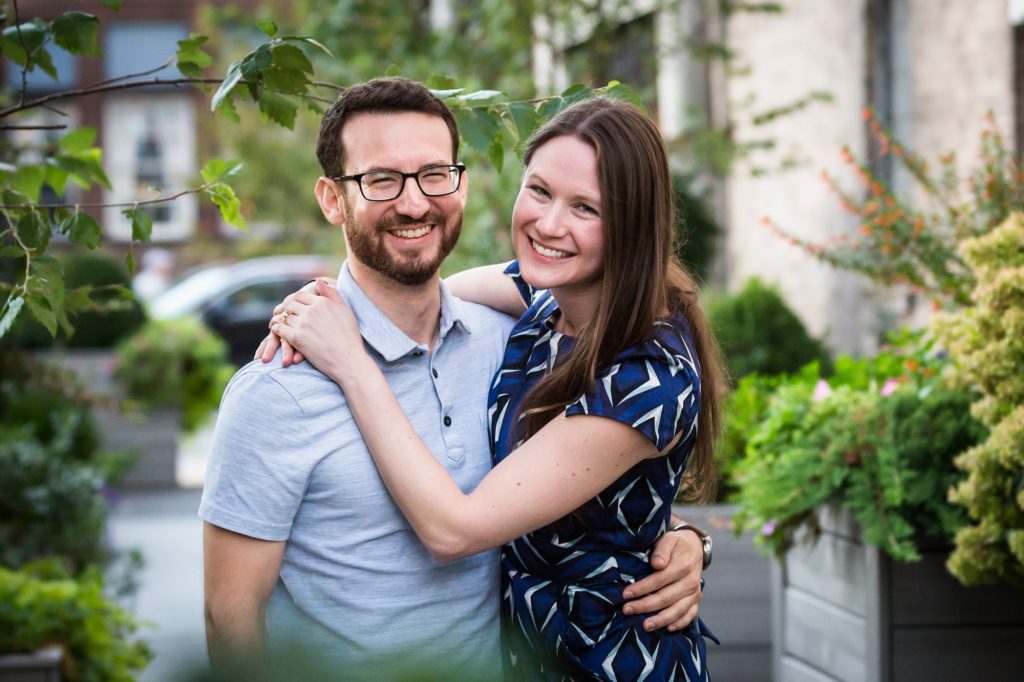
[447, 420]
[434, 372]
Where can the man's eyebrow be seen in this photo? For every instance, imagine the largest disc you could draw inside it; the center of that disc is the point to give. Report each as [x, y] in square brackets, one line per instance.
[372, 169]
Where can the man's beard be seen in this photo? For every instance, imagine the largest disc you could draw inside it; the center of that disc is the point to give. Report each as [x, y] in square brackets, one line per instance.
[367, 245]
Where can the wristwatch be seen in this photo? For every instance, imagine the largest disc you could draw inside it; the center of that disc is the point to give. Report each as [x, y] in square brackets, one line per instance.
[705, 540]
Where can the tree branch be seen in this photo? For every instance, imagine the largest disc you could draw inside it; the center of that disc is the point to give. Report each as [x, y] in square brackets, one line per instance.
[58, 126]
[170, 60]
[28, 57]
[127, 204]
[92, 89]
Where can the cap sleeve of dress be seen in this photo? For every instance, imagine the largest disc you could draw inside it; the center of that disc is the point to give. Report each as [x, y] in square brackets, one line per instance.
[654, 389]
[528, 293]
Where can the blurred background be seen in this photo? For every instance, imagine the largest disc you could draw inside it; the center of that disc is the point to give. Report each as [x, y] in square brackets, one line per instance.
[830, 159]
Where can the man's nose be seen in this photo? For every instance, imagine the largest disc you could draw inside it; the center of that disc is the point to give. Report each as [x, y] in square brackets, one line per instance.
[412, 202]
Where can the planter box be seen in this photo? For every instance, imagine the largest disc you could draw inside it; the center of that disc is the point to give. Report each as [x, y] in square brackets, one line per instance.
[42, 666]
[843, 611]
[152, 435]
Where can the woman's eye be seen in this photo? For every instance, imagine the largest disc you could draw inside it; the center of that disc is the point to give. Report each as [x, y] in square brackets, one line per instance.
[590, 210]
[538, 190]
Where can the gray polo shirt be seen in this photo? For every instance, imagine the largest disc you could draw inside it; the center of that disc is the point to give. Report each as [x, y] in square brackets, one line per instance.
[288, 463]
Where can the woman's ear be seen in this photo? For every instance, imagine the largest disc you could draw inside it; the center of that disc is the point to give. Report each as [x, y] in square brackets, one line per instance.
[332, 203]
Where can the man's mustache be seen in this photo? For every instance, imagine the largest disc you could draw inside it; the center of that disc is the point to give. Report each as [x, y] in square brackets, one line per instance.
[400, 221]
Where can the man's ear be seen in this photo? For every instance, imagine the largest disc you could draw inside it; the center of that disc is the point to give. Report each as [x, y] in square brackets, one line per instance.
[464, 188]
[332, 203]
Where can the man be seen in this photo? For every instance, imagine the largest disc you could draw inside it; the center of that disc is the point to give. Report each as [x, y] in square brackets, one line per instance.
[301, 540]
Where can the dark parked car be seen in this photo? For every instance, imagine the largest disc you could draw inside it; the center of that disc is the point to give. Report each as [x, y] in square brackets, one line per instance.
[237, 300]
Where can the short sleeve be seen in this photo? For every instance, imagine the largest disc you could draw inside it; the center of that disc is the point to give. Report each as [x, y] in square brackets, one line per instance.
[259, 467]
[657, 396]
[528, 293]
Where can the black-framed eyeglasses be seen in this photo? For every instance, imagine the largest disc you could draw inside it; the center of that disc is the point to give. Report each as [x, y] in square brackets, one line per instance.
[385, 185]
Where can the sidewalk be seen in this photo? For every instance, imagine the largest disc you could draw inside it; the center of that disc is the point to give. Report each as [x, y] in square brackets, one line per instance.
[163, 525]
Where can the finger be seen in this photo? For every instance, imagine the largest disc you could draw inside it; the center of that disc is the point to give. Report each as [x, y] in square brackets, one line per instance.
[327, 291]
[269, 347]
[259, 349]
[663, 549]
[286, 353]
[297, 357]
[683, 622]
[664, 598]
[652, 583]
[668, 616]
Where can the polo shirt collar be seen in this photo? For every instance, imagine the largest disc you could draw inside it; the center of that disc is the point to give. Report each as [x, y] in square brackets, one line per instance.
[381, 333]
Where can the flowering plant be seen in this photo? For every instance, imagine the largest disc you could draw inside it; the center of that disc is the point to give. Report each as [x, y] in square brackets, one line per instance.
[903, 240]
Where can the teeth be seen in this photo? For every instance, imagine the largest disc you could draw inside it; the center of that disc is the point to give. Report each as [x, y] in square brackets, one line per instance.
[412, 234]
[550, 253]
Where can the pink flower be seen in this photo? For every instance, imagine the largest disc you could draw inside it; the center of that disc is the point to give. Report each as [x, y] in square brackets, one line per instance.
[889, 387]
[821, 391]
[768, 528]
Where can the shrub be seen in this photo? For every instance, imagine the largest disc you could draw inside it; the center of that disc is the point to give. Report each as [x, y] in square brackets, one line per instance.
[882, 447]
[42, 605]
[760, 334]
[113, 314]
[987, 342]
[175, 362]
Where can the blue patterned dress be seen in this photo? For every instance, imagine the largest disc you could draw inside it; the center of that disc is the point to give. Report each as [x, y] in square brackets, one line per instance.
[562, 584]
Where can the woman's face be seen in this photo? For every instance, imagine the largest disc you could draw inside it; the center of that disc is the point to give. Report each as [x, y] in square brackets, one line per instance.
[556, 222]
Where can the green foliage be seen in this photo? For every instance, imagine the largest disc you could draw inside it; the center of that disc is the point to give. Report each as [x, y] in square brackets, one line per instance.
[759, 333]
[879, 440]
[109, 313]
[986, 340]
[697, 230]
[175, 362]
[41, 605]
[273, 76]
[900, 243]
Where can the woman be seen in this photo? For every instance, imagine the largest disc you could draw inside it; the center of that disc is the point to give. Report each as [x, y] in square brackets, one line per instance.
[606, 400]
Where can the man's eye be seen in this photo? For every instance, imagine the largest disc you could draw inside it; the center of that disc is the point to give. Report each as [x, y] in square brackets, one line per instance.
[379, 180]
[434, 177]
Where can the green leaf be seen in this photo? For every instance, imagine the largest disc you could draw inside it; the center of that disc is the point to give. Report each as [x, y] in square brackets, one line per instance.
[10, 251]
[82, 229]
[231, 79]
[56, 177]
[479, 127]
[496, 154]
[218, 169]
[224, 197]
[43, 313]
[308, 41]
[445, 94]
[78, 140]
[481, 95]
[439, 81]
[268, 27]
[550, 108]
[278, 109]
[142, 223]
[12, 306]
[129, 261]
[393, 70]
[625, 93]
[228, 111]
[85, 167]
[76, 32]
[190, 57]
[29, 181]
[34, 230]
[525, 117]
[112, 4]
[576, 92]
[291, 57]
[32, 33]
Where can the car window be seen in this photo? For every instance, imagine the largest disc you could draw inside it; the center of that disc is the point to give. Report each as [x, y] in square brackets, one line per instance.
[257, 301]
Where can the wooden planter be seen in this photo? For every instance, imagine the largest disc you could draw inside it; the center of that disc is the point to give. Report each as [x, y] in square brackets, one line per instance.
[152, 434]
[843, 611]
[42, 666]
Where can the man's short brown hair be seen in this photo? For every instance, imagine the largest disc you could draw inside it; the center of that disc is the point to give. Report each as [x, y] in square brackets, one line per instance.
[380, 95]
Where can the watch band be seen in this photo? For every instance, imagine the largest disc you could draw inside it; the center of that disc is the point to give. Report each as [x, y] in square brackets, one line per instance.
[705, 540]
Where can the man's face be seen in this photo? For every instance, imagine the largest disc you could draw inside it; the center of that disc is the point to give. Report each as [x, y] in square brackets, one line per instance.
[406, 238]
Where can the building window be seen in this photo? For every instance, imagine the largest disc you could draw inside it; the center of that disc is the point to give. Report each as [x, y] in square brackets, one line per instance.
[150, 151]
[141, 46]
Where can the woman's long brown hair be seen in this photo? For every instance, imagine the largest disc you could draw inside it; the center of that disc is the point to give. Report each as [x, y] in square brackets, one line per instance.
[642, 279]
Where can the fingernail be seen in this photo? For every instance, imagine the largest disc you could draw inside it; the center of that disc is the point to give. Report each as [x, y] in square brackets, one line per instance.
[628, 594]
[648, 626]
[671, 628]
[628, 610]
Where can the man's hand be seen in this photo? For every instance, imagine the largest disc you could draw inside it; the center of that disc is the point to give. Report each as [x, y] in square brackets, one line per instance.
[673, 590]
